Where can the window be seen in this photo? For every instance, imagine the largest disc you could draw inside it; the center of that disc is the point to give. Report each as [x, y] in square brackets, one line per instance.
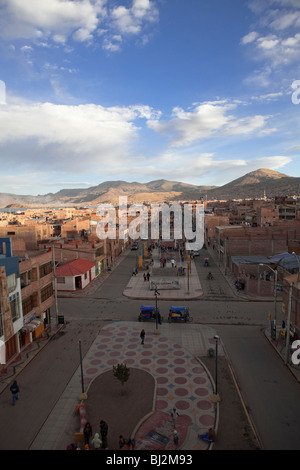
[45, 269]
[61, 280]
[11, 282]
[15, 309]
[46, 292]
[30, 303]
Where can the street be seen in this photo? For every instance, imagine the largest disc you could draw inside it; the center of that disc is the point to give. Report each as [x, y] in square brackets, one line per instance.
[270, 392]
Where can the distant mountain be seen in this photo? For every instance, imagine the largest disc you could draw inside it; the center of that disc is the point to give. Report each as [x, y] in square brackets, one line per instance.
[252, 185]
[256, 184]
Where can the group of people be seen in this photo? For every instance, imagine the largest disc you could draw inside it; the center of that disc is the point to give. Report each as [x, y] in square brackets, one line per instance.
[97, 442]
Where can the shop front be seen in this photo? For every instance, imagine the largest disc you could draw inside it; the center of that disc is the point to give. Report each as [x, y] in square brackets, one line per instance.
[32, 329]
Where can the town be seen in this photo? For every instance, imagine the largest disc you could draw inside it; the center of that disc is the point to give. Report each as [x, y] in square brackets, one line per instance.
[50, 254]
[149, 229]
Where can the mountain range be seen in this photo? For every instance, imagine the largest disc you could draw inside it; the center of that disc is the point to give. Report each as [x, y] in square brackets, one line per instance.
[255, 184]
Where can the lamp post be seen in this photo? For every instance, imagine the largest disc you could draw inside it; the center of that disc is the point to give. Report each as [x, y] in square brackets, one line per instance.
[188, 258]
[216, 337]
[80, 355]
[55, 283]
[156, 293]
[275, 296]
[287, 337]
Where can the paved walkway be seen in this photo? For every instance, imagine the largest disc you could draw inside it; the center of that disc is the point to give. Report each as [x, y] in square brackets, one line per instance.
[181, 382]
[189, 284]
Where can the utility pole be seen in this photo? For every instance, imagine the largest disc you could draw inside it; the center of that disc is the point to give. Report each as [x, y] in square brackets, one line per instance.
[55, 284]
[287, 338]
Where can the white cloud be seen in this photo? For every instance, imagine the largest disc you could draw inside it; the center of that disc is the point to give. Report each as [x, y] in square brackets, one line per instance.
[80, 20]
[286, 20]
[274, 39]
[250, 37]
[56, 18]
[68, 137]
[204, 121]
[268, 42]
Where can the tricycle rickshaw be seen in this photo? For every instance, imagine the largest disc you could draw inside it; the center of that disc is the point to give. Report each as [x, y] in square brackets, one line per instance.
[148, 312]
[179, 314]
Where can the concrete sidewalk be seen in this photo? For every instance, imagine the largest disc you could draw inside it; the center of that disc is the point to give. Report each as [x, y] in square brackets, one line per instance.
[189, 284]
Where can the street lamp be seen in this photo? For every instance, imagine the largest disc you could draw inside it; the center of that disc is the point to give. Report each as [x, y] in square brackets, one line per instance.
[216, 337]
[80, 355]
[287, 337]
[156, 293]
[275, 295]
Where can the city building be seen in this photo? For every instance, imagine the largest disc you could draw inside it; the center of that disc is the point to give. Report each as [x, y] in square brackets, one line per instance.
[36, 274]
[11, 315]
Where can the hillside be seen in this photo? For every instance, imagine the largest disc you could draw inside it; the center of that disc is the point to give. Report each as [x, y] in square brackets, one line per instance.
[255, 184]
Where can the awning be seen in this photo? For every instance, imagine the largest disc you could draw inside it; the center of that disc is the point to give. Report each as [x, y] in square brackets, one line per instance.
[33, 325]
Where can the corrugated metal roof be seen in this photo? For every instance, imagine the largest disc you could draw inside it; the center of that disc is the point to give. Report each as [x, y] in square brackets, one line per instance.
[286, 260]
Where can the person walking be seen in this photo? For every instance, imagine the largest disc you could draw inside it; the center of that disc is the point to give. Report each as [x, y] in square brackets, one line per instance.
[103, 432]
[14, 388]
[87, 433]
[142, 335]
[174, 415]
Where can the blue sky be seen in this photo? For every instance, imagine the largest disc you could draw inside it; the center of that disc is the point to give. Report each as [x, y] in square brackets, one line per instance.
[138, 90]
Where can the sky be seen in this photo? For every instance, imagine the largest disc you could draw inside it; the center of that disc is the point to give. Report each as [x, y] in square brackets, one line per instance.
[195, 91]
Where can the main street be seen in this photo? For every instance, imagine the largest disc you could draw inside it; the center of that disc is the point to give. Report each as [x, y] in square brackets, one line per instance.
[270, 392]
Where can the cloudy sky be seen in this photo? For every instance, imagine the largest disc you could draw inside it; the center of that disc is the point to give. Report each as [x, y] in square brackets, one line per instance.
[187, 90]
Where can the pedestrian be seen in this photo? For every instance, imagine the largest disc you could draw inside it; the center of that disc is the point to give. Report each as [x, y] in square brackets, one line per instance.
[174, 415]
[96, 441]
[15, 390]
[87, 433]
[148, 276]
[175, 437]
[142, 335]
[145, 277]
[212, 435]
[121, 441]
[103, 432]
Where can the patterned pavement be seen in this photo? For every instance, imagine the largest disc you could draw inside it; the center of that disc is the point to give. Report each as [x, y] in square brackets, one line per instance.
[181, 380]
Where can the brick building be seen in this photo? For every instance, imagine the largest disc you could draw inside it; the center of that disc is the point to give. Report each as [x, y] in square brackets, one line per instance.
[36, 274]
[249, 241]
[11, 317]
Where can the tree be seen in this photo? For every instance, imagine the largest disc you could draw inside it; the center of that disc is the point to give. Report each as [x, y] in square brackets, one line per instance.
[122, 373]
